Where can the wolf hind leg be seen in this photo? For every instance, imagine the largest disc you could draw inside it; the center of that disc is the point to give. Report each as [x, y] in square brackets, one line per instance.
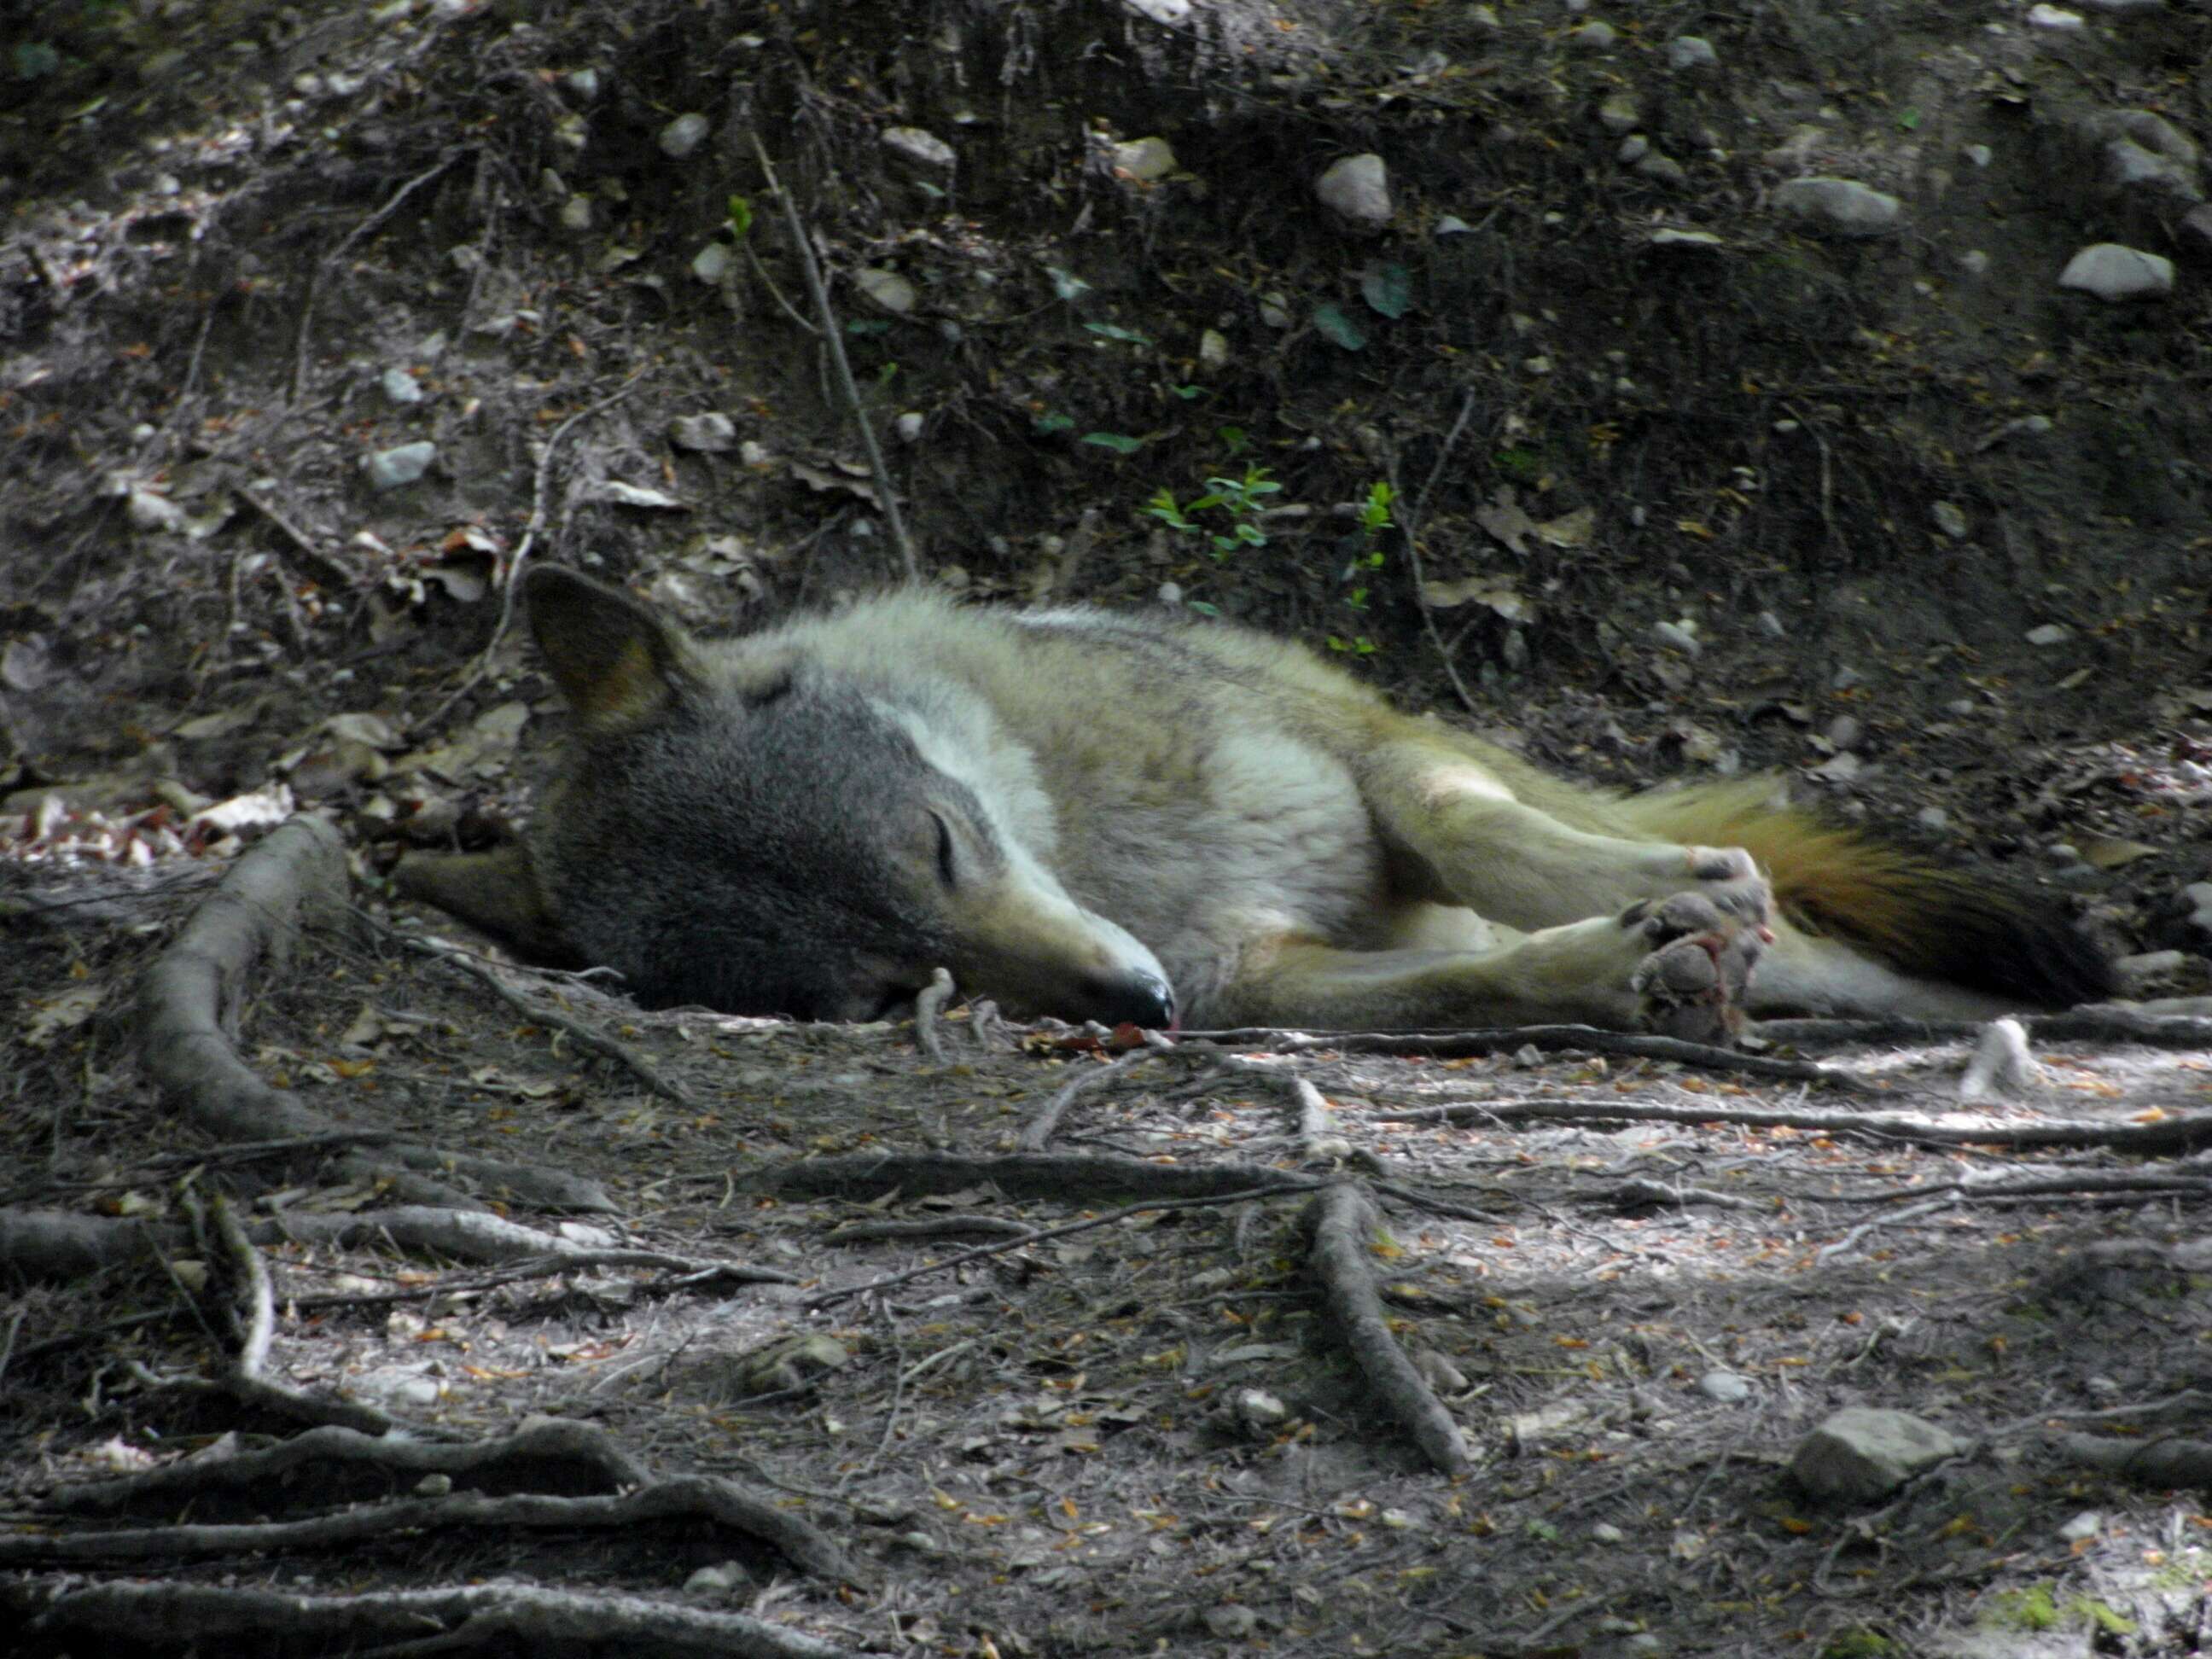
[1680, 967]
[1463, 836]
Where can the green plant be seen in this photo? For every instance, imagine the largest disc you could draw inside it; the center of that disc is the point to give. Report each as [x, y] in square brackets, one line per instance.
[1367, 550]
[1238, 502]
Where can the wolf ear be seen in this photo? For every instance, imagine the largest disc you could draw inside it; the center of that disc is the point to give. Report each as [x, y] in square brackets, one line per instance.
[618, 663]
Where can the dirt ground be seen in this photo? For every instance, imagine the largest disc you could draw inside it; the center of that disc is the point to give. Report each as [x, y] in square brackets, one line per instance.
[586, 1330]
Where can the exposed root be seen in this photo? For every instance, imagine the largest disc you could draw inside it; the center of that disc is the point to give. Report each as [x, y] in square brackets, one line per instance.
[187, 1005]
[1340, 1223]
[64, 1611]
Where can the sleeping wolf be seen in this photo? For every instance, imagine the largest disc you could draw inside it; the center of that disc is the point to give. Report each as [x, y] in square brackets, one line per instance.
[1105, 817]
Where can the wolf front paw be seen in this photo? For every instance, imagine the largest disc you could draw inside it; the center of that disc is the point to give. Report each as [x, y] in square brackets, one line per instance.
[1704, 947]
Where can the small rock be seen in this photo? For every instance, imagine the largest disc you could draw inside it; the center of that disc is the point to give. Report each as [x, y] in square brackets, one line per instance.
[576, 213]
[2087, 1524]
[919, 148]
[388, 469]
[1678, 637]
[2054, 17]
[1843, 205]
[2148, 968]
[1844, 731]
[711, 263]
[1483, 19]
[1258, 1410]
[1663, 170]
[149, 510]
[1212, 350]
[1691, 52]
[2115, 272]
[401, 388]
[1147, 160]
[2128, 166]
[2196, 901]
[1274, 310]
[434, 1486]
[1619, 114]
[1161, 11]
[1980, 155]
[1862, 1453]
[888, 289]
[1950, 519]
[584, 82]
[723, 1578]
[683, 135]
[1358, 188]
[1771, 625]
[1634, 149]
[1932, 817]
[710, 433]
[1726, 1387]
[2049, 634]
[1592, 37]
[1605, 1532]
[909, 427]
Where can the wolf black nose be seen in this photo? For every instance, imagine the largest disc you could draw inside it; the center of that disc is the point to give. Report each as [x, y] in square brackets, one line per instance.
[1135, 998]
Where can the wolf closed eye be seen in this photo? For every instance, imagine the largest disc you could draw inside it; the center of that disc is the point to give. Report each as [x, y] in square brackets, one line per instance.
[1106, 816]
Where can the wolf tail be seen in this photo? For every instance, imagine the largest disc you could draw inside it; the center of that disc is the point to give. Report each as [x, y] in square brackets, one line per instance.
[1887, 899]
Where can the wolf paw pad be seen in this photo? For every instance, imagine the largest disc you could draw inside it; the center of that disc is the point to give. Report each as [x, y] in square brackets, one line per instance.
[1704, 946]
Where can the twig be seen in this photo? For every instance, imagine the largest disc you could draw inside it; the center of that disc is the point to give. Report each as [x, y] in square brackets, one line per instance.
[886, 497]
[598, 1042]
[1451, 1045]
[1087, 1223]
[336, 574]
[1340, 1223]
[1850, 1242]
[314, 281]
[1039, 1131]
[1409, 527]
[482, 665]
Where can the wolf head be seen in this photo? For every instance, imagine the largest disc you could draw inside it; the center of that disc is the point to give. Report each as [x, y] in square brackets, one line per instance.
[759, 834]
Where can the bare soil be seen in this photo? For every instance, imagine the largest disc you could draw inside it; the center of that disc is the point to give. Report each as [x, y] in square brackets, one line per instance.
[1632, 1282]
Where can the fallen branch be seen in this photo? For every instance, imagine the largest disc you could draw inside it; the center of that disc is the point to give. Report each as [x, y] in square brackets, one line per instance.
[1340, 1224]
[185, 1007]
[165, 1617]
[2100, 1022]
[2157, 1463]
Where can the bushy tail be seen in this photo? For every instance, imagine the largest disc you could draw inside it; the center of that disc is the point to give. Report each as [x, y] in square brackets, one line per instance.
[1893, 903]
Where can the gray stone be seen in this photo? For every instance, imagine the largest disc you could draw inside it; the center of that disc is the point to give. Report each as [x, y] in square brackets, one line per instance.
[1619, 114]
[2115, 272]
[1843, 205]
[1862, 1452]
[683, 135]
[1145, 160]
[1358, 189]
[1592, 37]
[919, 149]
[388, 469]
[1691, 52]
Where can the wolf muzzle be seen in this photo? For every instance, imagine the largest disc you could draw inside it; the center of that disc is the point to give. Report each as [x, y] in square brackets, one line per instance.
[1134, 996]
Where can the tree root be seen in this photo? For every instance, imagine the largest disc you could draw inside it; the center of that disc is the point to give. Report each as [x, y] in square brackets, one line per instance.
[1341, 1222]
[2165, 1135]
[1549, 1039]
[1070, 1178]
[188, 1001]
[70, 1614]
[563, 1454]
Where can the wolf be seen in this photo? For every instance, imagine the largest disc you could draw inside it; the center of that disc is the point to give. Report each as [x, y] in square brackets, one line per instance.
[1156, 819]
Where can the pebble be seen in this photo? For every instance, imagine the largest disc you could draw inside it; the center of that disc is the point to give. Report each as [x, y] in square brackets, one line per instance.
[1358, 188]
[2114, 272]
[1843, 205]
[711, 263]
[888, 289]
[1147, 160]
[1691, 52]
[2049, 634]
[909, 427]
[1950, 519]
[919, 148]
[1619, 114]
[2054, 17]
[388, 469]
[709, 434]
[1726, 1387]
[1592, 37]
[683, 135]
